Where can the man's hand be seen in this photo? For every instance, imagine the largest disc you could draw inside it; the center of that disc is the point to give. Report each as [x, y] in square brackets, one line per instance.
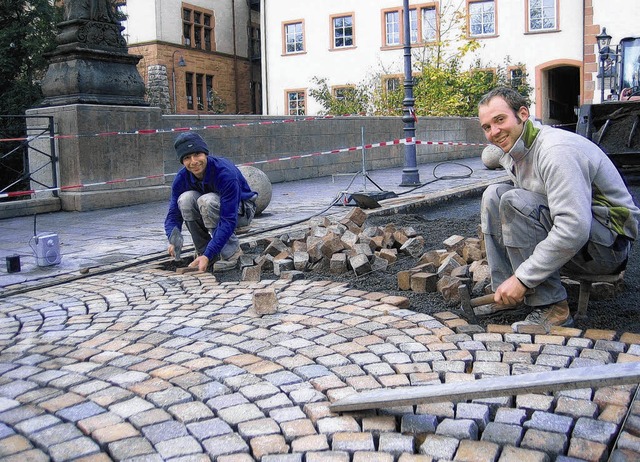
[510, 292]
[201, 262]
[172, 250]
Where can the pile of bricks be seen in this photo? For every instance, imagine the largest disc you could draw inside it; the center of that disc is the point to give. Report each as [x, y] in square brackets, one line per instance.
[350, 245]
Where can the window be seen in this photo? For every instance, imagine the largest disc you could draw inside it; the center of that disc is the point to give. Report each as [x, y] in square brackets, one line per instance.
[517, 77]
[341, 93]
[482, 18]
[542, 15]
[423, 25]
[199, 91]
[342, 31]
[189, 89]
[392, 28]
[392, 84]
[199, 94]
[197, 28]
[210, 93]
[293, 38]
[296, 102]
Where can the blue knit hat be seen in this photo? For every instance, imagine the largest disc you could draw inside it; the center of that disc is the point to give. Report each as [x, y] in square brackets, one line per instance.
[188, 143]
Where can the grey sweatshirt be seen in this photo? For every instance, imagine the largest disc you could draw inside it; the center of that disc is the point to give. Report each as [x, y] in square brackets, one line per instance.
[587, 197]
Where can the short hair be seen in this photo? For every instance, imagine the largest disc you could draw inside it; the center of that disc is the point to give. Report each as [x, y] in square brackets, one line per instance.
[514, 99]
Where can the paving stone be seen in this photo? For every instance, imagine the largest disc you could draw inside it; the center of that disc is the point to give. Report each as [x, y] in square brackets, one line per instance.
[583, 449]
[479, 413]
[73, 449]
[477, 451]
[352, 442]
[168, 430]
[275, 458]
[240, 413]
[576, 407]
[331, 425]
[549, 422]
[549, 442]
[628, 441]
[56, 434]
[504, 434]
[510, 416]
[443, 409]
[209, 428]
[130, 448]
[458, 428]
[439, 447]
[595, 430]
[310, 443]
[368, 456]
[513, 454]
[114, 432]
[396, 443]
[178, 447]
[327, 456]
[231, 443]
[418, 423]
[534, 402]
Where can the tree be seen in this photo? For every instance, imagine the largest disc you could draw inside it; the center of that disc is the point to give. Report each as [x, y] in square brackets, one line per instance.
[442, 86]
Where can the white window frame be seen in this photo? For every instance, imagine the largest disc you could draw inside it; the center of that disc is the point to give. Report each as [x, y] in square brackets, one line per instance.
[483, 14]
[542, 7]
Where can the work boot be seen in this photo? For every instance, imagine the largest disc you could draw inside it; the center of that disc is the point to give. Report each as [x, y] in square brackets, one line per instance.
[227, 264]
[547, 316]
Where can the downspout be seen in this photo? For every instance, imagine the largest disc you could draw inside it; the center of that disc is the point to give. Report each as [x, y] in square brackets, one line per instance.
[263, 52]
[584, 44]
[235, 56]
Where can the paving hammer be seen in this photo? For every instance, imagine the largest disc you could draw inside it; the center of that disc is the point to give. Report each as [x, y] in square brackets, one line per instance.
[176, 240]
[467, 303]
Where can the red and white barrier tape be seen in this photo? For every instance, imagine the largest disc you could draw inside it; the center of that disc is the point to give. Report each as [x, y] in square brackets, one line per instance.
[153, 131]
[406, 141]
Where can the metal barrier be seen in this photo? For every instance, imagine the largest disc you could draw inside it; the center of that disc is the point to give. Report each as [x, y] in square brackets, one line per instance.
[15, 152]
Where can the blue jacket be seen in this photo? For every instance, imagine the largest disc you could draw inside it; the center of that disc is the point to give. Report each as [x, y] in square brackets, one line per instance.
[221, 177]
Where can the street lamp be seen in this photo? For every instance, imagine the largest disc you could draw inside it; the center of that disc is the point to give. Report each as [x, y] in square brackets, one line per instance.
[410, 173]
[604, 51]
[181, 63]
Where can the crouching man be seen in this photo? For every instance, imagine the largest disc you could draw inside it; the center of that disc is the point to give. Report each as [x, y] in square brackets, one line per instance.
[210, 195]
[569, 207]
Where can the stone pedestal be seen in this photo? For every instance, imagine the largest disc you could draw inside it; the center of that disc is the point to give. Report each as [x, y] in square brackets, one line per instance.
[86, 159]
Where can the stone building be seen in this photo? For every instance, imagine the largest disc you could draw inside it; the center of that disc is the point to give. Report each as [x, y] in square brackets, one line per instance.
[200, 57]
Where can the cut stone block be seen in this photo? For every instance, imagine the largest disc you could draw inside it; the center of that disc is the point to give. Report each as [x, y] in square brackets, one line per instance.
[360, 264]
[448, 287]
[454, 243]
[252, 273]
[300, 260]
[338, 263]
[357, 215]
[391, 255]
[424, 282]
[265, 301]
[414, 246]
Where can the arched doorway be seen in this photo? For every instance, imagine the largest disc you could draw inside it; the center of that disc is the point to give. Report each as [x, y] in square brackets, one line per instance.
[558, 85]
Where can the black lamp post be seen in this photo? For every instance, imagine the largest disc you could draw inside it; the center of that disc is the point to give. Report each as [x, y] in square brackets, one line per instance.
[410, 174]
[604, 40]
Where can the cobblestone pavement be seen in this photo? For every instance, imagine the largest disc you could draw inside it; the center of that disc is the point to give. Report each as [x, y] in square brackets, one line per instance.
[147, 365]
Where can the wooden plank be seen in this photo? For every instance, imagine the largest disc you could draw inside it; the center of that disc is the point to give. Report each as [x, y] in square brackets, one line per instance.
[564, 379]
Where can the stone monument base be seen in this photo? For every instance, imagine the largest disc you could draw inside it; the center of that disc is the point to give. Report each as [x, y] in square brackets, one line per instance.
[97, 147]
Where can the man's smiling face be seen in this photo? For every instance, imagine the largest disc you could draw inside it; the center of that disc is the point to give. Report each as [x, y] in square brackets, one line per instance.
[501, 125]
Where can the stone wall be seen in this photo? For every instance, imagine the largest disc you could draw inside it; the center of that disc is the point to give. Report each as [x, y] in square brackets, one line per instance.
[274, 139]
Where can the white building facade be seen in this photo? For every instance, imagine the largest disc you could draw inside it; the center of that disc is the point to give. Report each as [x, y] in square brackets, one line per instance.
[348, 42]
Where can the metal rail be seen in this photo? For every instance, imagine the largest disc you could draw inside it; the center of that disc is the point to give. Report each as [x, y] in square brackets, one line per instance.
[20, 140]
